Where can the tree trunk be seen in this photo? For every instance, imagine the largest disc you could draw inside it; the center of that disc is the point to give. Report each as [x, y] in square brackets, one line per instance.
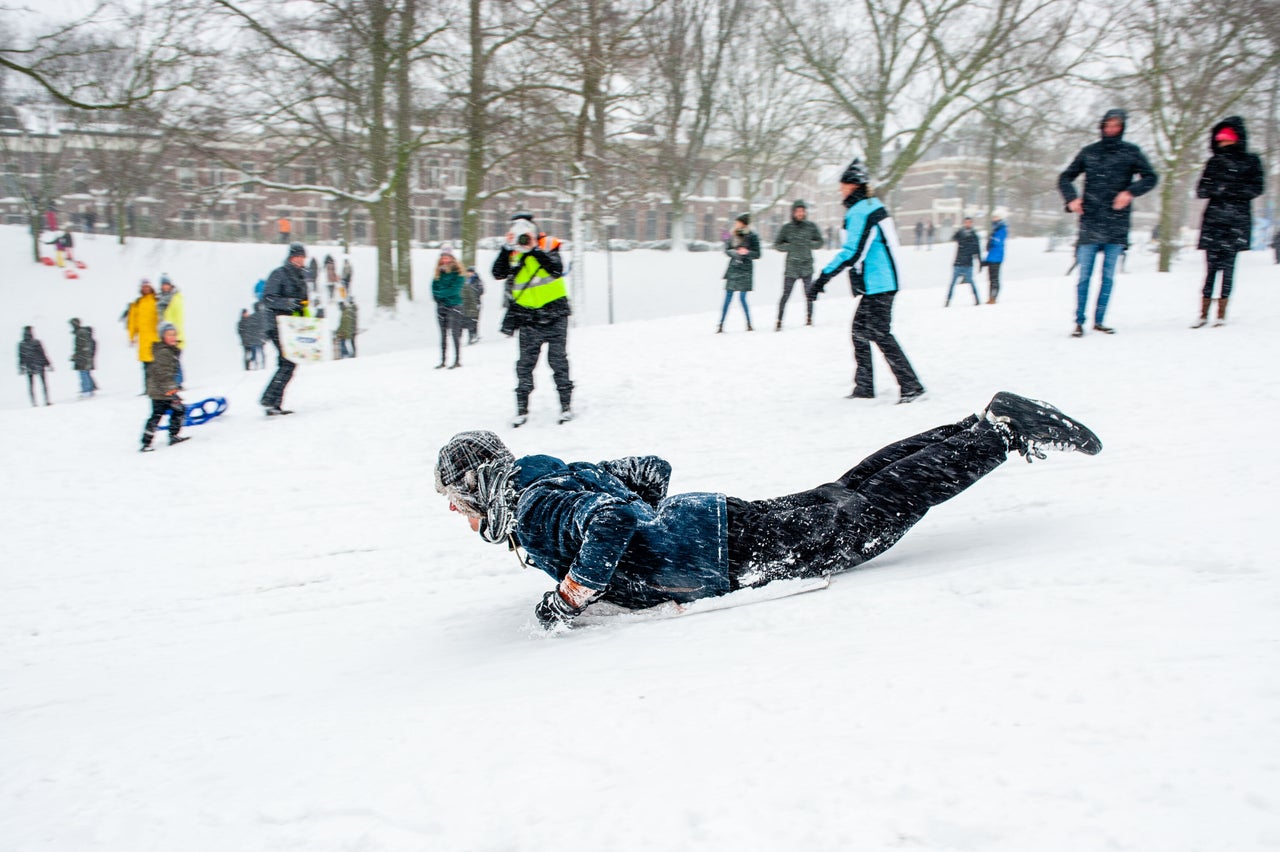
[477, 127]
[404, 142]
[1169, 222]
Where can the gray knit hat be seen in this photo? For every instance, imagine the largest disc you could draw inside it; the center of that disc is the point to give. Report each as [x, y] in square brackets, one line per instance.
[465, 452]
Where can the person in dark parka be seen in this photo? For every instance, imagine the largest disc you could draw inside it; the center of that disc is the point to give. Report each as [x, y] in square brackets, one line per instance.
[248, 329]
[967, 253]
[1231, 180]
[162, 387]
[798, 238]
[32, 362]
[1110, 167]
[284, 295]
[609, 531]
[83, 355]
[743, 250]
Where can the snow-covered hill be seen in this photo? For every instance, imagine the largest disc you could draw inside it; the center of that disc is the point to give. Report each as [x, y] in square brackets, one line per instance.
[277, 637]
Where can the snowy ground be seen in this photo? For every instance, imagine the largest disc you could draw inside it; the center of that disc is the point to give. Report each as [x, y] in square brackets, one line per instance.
[276, 637]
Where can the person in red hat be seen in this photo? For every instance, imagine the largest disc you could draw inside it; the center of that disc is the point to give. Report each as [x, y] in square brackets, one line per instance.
[1232, 179]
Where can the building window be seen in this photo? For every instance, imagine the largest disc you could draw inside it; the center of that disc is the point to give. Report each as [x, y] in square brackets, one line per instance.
[186, 176]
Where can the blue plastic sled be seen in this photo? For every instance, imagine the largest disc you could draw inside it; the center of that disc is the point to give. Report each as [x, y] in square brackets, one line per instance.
[204, 411]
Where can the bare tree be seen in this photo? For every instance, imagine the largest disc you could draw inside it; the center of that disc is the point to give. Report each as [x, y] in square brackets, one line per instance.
[897, 75]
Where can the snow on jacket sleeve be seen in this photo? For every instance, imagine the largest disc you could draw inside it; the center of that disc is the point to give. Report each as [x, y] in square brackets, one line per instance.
[648, 476]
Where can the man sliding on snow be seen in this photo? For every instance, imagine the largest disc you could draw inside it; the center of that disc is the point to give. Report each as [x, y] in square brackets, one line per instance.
[608, 531]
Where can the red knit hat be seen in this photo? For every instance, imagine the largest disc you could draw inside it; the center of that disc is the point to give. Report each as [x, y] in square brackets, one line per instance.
[1226, 134]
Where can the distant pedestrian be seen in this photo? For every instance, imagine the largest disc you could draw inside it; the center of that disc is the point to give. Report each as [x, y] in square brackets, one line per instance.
[142, 323]
[967, 253]
[928, 236]
[62, 248]
[171, 308]
[870, 251]
[247, 329]
[285, 228]
[313, 274]
[353, 310]
[262, 322]
[798, 238]
[472, 292]
[1275, 242]
[285, 295]
[32, 362]
[995, 253]
[743, 249]
[446, 288]
[162, 388]
[1231, 180]
[345, 281]
[330, 275]
[1109, 166]
[919, 233]
[346, 330]
[83, 356]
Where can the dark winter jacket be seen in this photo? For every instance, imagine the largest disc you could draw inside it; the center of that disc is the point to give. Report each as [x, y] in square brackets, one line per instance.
[967, 248]
[163, 375]
[285, 292]
[347, 323]
[446, 288]
[471, 293]
[31, 357]
[263, 320]
[610, 527]
[798, 239]
[995, 242]
[740, 275]
[1109, 167]
[82, 357]
[249, 330]
[1232, 179]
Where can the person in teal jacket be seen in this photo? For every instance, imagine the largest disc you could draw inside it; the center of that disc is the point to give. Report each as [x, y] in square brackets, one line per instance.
[446, 289]
[610, 531]
[870, 252]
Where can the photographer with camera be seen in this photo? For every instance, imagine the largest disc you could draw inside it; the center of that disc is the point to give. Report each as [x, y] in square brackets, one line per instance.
[537, 307]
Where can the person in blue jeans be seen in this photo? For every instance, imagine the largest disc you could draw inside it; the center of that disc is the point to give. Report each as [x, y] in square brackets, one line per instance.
[967, 251]
[1110, 167]
[743, 249]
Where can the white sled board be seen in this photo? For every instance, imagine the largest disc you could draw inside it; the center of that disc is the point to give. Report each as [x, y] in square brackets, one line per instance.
[607, 613]
[304, 338]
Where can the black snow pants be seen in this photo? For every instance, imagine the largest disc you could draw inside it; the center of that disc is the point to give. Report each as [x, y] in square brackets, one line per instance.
[862, 514]
[31, 385]
[871, 325]
[273, 396]
[555, 336]
[1223, 261]
[993, 281]
[788, 283]
[159, 407]
[450, 320]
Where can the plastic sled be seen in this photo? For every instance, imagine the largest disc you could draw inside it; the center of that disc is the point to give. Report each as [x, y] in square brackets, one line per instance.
[80, 264]
[204, 411]
[71, 273]
[47, 261]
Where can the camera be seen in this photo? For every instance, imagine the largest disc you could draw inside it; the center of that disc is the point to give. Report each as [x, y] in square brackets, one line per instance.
[524, 240]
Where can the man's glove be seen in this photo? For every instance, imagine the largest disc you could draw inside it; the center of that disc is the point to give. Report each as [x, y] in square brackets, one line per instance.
[820, 283]
[553, 610]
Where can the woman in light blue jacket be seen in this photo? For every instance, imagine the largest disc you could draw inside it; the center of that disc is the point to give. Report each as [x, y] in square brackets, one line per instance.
[870, 252]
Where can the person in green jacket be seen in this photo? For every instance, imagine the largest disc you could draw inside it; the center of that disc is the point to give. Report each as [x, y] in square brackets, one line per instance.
[798, 238]
[743, 249]
[162, 387]
[446, 289]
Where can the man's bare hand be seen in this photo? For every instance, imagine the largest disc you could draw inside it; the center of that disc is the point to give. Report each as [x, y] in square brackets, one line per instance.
[1075, 206]
[1122, 200]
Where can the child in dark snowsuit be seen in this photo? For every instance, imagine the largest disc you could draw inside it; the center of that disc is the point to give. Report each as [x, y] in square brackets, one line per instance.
[162, 387]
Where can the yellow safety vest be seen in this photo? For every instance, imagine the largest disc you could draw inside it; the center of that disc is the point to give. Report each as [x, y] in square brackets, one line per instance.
[533, 286]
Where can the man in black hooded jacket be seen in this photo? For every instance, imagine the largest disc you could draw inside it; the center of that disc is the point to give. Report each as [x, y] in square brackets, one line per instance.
[284, 295]
[1109, 167]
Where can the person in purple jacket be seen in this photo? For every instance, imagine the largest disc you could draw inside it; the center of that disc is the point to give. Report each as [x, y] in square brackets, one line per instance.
[609, 531]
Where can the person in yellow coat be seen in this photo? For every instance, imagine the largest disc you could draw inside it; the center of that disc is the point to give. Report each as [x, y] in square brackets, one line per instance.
[170, 309]
[143, 325]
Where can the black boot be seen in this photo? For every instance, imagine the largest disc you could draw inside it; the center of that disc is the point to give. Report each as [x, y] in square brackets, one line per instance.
[1031, 427]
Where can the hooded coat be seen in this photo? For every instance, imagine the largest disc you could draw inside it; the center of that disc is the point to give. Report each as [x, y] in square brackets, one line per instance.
[1109, 166]
[171, 308]
[31, 357]
[1232, 179]
[740, 275]
[798, 238]
[610, 532]
[143, 324]
[162, 378]
[82, 357]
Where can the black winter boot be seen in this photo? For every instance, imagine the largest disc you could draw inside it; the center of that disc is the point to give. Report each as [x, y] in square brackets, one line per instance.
[1031, 427]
